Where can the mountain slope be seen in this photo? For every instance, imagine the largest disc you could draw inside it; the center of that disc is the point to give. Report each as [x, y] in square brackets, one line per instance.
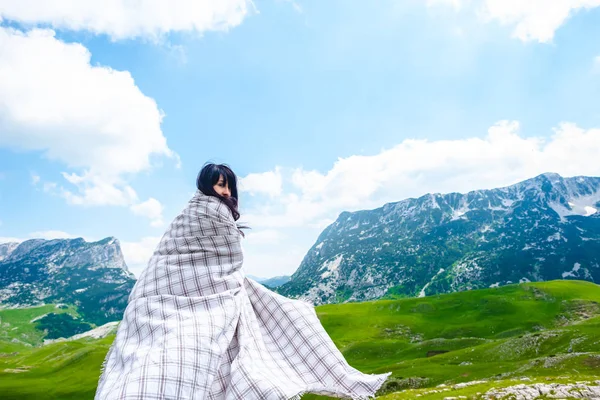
[541, 229]
[93, 276]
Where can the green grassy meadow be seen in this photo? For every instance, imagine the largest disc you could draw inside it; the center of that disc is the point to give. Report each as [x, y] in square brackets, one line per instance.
[533, 332]
[16, 328]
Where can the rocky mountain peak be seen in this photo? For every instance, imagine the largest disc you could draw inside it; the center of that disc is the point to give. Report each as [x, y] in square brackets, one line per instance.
[546, 227]
[92, 275]
[6, 249]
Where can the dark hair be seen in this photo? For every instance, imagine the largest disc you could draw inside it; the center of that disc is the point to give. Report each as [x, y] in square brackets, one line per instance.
[209, 176]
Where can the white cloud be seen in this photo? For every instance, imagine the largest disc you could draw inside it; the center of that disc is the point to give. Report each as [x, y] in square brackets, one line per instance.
[5, 239]
[454, 3]
[275, 252]
[264, 237]
[151, 209]
[286, 226]
[273, 262]
[416, 167]
[266, 182]
[533, 20]
[137, 254]
[35, 179]
[98, 190]
[93, 119]
[122, 19]
[49, 187]
[48, 235]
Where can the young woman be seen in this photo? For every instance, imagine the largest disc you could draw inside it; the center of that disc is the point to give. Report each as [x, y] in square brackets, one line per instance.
[196, 328]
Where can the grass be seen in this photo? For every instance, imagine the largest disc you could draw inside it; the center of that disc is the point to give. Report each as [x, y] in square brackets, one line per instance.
[499, 334]
[65, 370]
[476, 391]
[542, 331]
[16, 328]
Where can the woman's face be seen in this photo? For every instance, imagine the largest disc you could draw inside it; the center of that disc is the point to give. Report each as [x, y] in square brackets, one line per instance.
[222, 188]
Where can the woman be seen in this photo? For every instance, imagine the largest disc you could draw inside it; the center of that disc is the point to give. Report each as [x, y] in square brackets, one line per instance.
[196, 328]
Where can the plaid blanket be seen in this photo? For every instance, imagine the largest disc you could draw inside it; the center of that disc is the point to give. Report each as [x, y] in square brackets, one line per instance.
[196, 328]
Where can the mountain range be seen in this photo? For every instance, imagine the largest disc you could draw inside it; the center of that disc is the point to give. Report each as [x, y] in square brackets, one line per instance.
[544, 228]
[274, 282]
[90, 275]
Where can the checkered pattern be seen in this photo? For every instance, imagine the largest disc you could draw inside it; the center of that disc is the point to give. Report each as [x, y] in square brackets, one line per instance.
[197, 328]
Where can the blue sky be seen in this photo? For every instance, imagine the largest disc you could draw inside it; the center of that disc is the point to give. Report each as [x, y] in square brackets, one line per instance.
[319, 107]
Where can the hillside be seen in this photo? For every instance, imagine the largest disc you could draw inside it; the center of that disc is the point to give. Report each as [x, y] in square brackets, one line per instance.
[533, 332]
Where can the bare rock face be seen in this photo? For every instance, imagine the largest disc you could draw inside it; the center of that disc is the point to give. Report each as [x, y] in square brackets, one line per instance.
[96, 333]
[6, 249]
[544, 228]
[90, 275]
[580, 390]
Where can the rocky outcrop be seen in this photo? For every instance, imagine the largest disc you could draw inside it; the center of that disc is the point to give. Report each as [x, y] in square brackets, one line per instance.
[580, 390]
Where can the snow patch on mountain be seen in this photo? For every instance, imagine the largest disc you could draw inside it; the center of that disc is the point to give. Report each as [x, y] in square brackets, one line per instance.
[581, 205]
[459, 213]
[573, 272]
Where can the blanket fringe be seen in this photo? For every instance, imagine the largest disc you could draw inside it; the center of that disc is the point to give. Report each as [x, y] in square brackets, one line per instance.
[104, 363]
[380, 381]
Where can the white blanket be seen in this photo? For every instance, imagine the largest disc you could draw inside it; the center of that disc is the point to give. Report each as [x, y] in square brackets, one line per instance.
[196, 328]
